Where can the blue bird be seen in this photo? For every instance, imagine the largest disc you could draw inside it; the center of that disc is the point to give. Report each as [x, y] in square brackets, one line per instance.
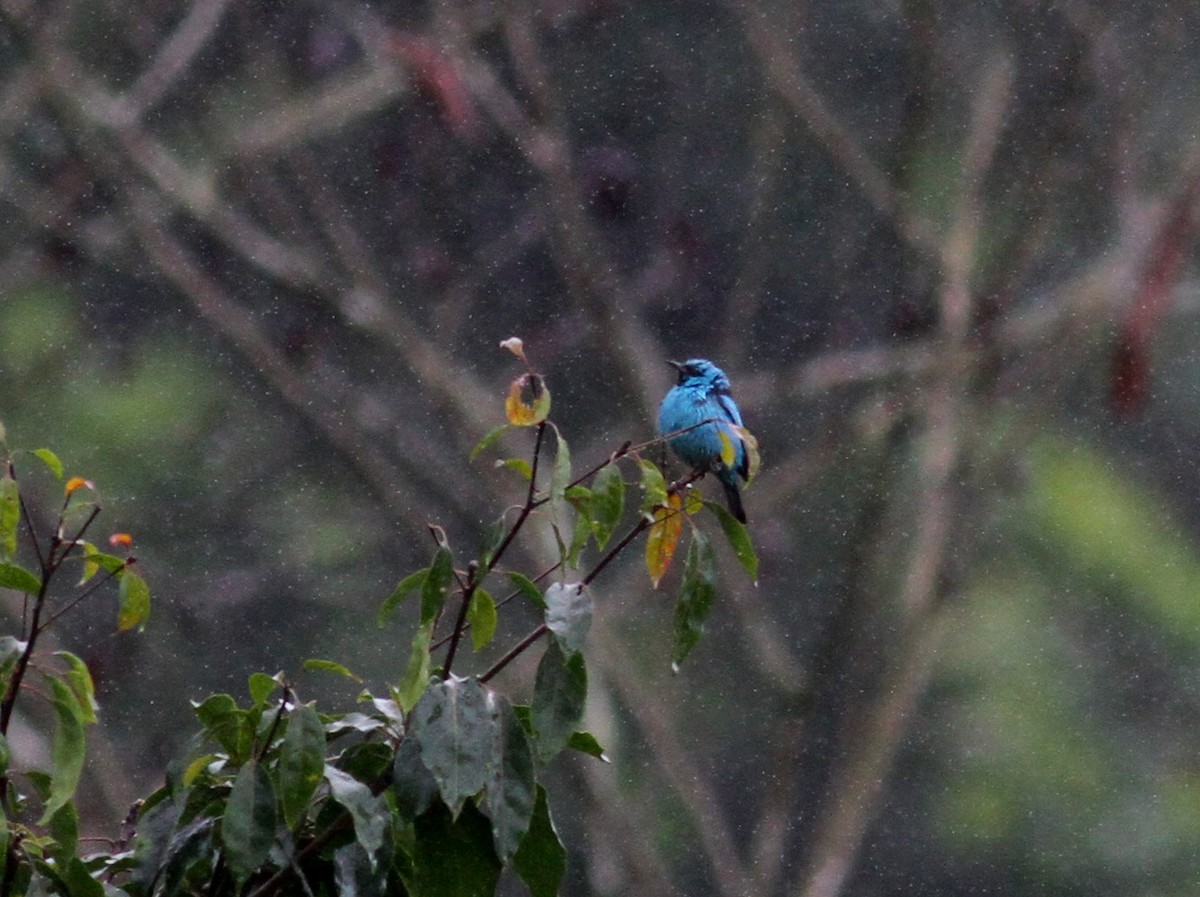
[702, 402]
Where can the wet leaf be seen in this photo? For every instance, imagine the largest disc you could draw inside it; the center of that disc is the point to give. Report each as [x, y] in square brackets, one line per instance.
[738, 538]
[608, 503]
[80, 679]
[654, 486]
[541, 860]
[489, 438]
[248, 827]
[569, 614]
[134, 601]
[696, 595]
[50, 459]
[481, 614]
[664, 538]
[405, 587]
[331, 666]
[559, 694]
[528, 401]
[416, 675]
[14, 577]
[301, 762]
[527, 587]
[10, 516]
[67, 747]
[509, 795]
[463, 844]
[453, 723]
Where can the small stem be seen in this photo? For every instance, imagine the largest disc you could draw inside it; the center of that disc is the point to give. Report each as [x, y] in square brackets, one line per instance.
[478, 576]
[74, 540]
[530, 504]
[460, 623]
[514, 652]
[81, 597]
[283, 702]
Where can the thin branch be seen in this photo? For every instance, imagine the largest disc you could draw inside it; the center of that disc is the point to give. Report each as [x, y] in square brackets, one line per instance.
[172, 59]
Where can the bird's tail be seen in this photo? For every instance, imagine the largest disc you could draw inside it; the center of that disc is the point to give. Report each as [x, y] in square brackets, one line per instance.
[733, 496]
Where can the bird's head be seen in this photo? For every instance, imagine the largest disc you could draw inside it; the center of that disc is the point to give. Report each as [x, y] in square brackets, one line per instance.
[700, 370]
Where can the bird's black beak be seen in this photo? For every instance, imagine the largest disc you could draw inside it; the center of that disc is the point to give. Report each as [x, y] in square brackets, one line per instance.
[678, 365]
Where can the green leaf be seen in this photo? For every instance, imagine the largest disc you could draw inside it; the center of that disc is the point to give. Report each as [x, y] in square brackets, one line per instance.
[67, 747]
[491, 436]
[436, 586]
[416, 675]
[248, 829]
[412, 783]
[64, 829]
[14, 577]
[527, 587]
[654, 486]
[559, 693]
[10, 516]
[464, 845]
[586, 743]
[331, 666]
[50, 459]
[227, 724]
[189, 846]
[696, 596]
[579, 539]
[79, 880]
[569, 614]
[4, 832]
[608, 503]
[260, 686]
[453, 723]
[11, 650]
[560, 478]
[541, 860]
[481, 614]
[192, 771]
[493, 536]
[301, 762]
[520, 465]
[739, 539]
[135, 601]
[509, 797]
[357, 873]
[405, 587]
[154, 830]
[372, 821]
[80, 679]
[110, 563]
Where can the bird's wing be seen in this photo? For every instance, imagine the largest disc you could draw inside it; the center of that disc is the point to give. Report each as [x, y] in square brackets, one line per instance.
[729, 410]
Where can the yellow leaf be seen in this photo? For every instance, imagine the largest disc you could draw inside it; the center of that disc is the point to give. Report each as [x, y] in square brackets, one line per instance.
[693, 501]
[528, 401]
[664, 537]
[753, 460]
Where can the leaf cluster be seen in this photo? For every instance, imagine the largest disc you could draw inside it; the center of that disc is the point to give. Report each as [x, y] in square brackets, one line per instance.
[430, 788]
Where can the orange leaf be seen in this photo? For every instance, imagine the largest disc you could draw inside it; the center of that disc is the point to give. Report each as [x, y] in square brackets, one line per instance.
[664, 537]
[120, 540]
[528, 401]
[78, 483]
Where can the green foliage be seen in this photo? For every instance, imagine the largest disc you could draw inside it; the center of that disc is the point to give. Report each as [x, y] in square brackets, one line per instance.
[431, 789]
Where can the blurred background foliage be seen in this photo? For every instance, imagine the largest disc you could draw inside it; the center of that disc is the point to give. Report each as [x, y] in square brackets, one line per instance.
[255, 261]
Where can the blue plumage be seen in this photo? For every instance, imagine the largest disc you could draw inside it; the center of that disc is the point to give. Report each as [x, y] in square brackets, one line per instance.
[702, 401]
